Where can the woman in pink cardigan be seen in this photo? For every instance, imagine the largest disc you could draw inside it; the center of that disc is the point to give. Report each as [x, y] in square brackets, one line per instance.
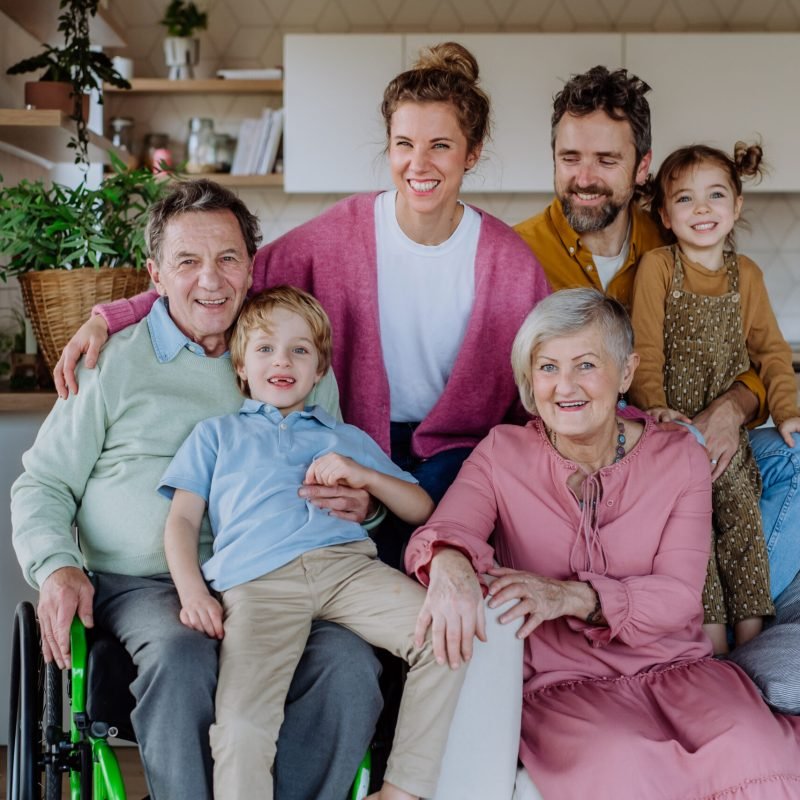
[602, 521]
[425, 294]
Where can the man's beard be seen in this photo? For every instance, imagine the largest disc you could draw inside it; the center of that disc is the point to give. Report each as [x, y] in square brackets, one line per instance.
[590, 220]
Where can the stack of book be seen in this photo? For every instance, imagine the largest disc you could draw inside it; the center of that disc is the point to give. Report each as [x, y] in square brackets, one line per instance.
[258, 144]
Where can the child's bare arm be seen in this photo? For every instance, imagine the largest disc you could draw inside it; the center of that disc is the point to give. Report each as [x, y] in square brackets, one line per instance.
[787, 428]
[664, 414]
[408, 501]
[199, 610]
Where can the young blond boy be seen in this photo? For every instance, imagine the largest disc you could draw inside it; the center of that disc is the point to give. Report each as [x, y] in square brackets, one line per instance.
[279, 562]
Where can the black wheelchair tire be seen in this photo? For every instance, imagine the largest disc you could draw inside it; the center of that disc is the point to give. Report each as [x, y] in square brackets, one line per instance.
[35, 704]
[52, 718]
[22, 780]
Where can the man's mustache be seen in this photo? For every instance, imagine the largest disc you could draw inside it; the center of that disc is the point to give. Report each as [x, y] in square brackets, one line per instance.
[573, 188]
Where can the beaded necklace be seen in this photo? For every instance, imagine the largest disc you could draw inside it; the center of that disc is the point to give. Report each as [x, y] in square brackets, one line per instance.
[619, 450]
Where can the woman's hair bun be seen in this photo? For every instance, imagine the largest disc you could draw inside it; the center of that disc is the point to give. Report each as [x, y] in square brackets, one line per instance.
[449, 57]
[748, 158]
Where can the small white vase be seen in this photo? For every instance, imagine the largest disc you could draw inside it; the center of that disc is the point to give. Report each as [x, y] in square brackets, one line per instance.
[181, 54]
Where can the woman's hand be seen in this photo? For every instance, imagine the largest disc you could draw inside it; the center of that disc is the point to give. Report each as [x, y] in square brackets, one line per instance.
[453, 609]
[539, 598]
[334, 469]
[89, 339]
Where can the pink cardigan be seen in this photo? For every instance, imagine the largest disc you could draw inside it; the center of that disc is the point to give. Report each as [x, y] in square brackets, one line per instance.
[334, 257]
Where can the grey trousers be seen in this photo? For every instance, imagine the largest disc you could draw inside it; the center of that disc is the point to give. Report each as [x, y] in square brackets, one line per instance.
[771, 658]
[331, 708]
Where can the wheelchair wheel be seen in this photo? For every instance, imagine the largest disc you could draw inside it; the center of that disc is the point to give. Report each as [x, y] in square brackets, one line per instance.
[35, 706]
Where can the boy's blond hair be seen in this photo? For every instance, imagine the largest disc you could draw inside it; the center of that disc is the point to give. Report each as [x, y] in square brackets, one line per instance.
[256, 316]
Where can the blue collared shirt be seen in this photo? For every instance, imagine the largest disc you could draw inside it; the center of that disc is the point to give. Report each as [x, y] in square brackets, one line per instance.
[168, 339]
[248, 468]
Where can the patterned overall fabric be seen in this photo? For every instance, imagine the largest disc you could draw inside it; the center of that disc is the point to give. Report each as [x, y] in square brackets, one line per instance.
[705, 350]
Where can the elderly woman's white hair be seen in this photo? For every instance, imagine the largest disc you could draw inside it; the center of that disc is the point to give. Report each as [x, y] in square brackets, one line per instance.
[564, 313]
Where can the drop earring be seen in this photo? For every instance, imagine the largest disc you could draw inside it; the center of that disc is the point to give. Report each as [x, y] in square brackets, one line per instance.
[622, 402]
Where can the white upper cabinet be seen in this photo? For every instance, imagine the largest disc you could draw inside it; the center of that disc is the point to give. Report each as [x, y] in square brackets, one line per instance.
[715, 88]
[334, 136]
[521, 73]
[719, 88]
[334, 84]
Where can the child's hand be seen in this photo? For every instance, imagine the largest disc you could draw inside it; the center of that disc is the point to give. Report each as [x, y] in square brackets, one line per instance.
[663, 414]
[203, 613]
[787, 428]
[333, 469]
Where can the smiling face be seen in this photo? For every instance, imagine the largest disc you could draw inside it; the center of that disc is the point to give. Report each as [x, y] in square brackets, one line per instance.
[428, 155]
[595, 169]
[205, 272]
[281, 363]
[576, 383]
[701, 208]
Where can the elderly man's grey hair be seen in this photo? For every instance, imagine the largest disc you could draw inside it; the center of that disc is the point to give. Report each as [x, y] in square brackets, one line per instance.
[562, 314]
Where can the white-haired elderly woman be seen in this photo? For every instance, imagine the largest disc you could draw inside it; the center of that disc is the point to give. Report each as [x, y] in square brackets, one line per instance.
[601, 520]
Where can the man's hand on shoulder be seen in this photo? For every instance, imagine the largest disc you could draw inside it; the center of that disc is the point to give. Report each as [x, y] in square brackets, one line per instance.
[720, 423]
[65, 593]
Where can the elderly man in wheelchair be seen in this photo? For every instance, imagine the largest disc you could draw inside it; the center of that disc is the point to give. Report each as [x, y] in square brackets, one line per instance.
[95, 464]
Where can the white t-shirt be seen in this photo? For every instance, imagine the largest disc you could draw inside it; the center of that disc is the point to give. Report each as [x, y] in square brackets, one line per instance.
[608, 266]
[425, 298]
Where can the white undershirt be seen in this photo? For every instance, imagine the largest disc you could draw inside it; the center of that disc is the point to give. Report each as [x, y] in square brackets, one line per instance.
[425, 298]
[608, 266]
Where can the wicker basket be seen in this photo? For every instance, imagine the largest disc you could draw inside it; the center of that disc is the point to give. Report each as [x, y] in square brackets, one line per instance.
[59, 301]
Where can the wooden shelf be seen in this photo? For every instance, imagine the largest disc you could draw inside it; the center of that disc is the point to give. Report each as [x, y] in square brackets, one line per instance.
[208, 86]
[275, 180]
[46, 133]
[40, 19]
[26, 402]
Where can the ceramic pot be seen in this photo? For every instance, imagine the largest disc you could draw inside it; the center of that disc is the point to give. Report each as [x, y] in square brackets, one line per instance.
[181, 54]
[55, 95]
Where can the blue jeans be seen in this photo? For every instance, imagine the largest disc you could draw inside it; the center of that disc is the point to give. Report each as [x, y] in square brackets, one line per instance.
[779, 465]
[435, 474]
[331, 708]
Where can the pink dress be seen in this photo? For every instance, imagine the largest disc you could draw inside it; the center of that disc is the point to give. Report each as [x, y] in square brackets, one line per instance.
[637, 710]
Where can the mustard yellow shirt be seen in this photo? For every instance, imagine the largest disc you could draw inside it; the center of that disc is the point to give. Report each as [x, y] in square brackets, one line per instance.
[769, 353]
[568, 264]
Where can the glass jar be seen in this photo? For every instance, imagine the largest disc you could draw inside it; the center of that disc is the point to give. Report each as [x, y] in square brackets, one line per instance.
[156, 152]
[122, 133]
[200, 146]
[224, 146]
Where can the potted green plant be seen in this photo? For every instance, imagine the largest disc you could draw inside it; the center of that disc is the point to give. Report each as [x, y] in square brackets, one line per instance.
[72, 247]
[181, 49]
[70, 72]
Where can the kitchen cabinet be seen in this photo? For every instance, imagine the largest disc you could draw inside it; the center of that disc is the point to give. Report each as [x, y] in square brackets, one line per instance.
[718, 88]
[138, 101]
[335, 135]
[521, 73]
[706, 87]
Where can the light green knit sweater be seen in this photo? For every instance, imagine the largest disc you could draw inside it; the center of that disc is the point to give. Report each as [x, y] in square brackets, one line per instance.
[99, 456]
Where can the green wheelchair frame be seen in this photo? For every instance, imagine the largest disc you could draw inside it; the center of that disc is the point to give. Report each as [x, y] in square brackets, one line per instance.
[40, 751]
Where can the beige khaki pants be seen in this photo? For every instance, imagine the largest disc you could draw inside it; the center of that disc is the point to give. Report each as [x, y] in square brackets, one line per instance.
[267, 622]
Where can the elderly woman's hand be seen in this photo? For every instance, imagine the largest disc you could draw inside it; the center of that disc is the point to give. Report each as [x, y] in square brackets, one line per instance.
[539, 598]
[453, 608]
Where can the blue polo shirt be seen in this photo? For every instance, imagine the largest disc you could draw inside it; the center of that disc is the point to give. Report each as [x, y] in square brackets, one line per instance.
[248, 468]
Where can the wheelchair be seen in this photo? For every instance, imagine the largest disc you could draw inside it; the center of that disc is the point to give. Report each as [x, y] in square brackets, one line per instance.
[41, 750]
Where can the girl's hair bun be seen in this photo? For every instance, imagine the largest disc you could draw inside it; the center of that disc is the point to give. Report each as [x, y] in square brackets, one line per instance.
[449, 57]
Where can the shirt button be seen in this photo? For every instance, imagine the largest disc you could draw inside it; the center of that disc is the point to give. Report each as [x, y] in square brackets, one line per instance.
[588, 267]
[571, 250]
[283, 426]
[609, 503]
